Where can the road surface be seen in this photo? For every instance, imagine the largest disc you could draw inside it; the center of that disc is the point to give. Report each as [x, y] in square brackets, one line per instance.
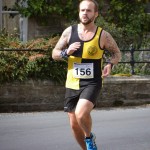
[115, 129]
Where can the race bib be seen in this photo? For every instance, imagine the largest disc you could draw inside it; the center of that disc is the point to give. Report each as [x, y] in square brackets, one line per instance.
[83, 70]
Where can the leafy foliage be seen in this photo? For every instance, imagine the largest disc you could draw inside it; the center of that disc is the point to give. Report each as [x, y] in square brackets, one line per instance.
[36, 63]
[43, 8]
[18, 66]
[130, 16]
[6, 38]
[125, 20]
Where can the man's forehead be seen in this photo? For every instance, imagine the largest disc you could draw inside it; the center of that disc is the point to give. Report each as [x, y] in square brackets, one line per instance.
[86, 4]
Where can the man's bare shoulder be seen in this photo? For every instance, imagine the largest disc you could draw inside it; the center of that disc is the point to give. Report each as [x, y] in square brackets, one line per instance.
[110, 44]
[64, 39]
[105, 34]
[108, 40]
[103, 37]
[67, 33]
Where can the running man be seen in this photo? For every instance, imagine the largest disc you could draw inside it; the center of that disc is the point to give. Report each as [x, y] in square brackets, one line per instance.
[83, 45]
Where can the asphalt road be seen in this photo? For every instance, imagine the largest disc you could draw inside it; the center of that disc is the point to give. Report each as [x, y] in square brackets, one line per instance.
[115, 129]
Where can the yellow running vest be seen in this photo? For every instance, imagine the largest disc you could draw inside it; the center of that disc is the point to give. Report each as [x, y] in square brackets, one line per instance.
[85, 64]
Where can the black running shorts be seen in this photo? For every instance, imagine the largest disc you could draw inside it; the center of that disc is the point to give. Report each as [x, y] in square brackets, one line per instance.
[89, 92]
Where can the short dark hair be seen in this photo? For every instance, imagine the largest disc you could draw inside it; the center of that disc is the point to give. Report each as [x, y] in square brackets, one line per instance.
[95, 3]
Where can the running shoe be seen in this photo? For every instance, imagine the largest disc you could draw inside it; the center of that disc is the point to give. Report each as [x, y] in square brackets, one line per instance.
[90, 143]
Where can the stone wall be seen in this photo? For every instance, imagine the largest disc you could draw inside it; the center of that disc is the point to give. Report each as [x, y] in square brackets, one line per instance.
[47, 95]
[117, 91]
[38, 29]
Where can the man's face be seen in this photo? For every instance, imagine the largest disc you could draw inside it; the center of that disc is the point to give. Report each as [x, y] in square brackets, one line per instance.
[87, 12]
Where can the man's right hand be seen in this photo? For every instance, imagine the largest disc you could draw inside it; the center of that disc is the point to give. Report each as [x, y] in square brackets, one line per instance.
[73, 47]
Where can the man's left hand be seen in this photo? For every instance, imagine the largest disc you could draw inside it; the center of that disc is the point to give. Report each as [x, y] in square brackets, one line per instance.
[106, 71]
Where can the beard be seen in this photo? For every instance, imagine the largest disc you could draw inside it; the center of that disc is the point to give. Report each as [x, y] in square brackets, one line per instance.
[88, 21]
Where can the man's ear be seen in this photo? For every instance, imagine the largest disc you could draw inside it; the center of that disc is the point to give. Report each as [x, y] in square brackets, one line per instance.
[96, 14]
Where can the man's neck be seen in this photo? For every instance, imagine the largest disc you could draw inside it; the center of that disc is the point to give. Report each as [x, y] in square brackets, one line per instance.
[87, 28]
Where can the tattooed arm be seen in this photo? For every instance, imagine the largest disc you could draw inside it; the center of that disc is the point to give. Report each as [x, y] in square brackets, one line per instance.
[63, 43]
[111, 46]
[109, 43]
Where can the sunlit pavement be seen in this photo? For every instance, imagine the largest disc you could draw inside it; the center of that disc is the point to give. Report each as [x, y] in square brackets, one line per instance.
[115, 129]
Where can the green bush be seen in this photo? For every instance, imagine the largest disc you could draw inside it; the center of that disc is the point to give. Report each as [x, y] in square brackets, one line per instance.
[21, 65]
[16, 66]
[125, 42]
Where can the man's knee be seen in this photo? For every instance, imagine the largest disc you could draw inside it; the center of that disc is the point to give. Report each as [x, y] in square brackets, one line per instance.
[83, 109]
[73, 121]
[81, 115]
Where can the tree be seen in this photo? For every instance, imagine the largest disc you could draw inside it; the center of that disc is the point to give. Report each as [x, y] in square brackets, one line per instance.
[128, 16]
[131, 17]
[43, 8]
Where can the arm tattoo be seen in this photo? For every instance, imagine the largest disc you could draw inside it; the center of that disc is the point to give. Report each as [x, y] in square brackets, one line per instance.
[61, 44]
[112, 47]
[63, 41]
